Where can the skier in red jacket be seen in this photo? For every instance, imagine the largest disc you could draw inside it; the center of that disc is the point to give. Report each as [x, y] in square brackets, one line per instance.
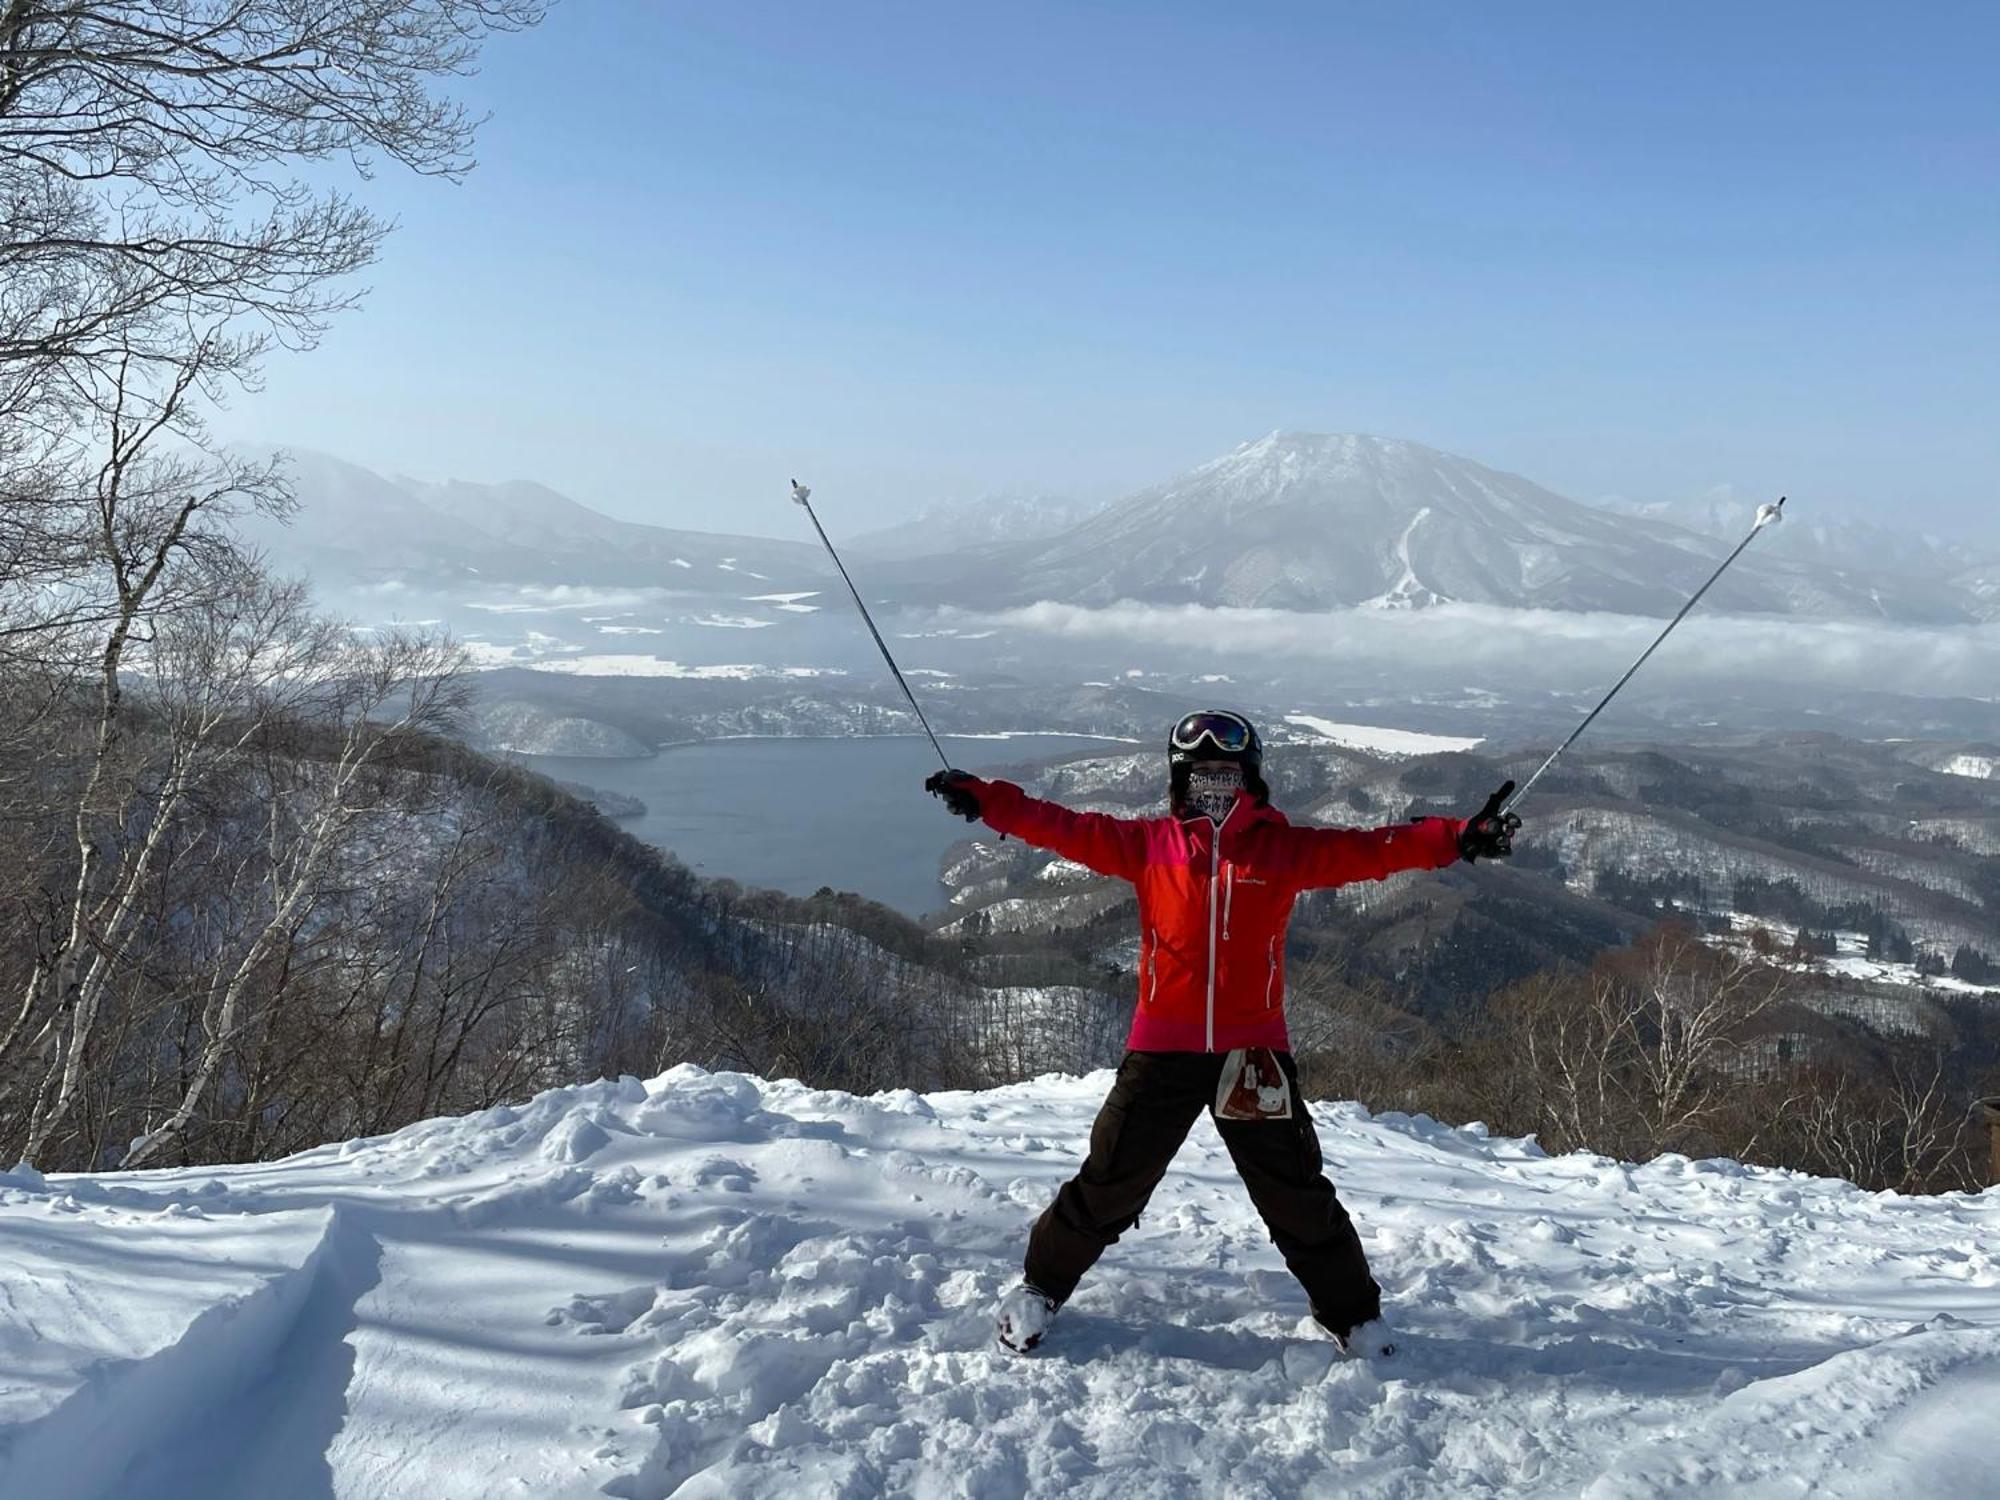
[1216, 881]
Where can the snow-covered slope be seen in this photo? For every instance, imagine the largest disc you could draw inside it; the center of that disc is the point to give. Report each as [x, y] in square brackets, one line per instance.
[1844, 542]
[974, 523]
[713, 1286]
[1979, 762]
[355, 526]
[509, 727]
[1981, 584]
[1305, 520]
[1317, 521]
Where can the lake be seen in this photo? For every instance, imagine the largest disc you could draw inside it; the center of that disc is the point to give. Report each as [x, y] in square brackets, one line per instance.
[797, 814]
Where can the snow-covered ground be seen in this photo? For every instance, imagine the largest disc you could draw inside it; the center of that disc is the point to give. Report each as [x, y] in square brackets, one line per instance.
[612, 665]
[1378, 738]
[711, 1286]
[1979, 767]
[1850, 959]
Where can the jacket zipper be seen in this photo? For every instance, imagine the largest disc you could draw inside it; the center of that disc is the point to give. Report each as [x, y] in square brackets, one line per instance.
[1153, 966]
[1214, 868]
[1271, 979]
[1214, 874]
[1228, 897]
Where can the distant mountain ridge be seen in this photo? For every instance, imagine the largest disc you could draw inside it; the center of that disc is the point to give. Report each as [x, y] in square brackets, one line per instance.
[1318, 521]
[990, 520]
[354, 526]
[1298, 521]
[1835, 540]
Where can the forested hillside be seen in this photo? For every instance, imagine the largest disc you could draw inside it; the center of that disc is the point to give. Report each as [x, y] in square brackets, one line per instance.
[321, 918]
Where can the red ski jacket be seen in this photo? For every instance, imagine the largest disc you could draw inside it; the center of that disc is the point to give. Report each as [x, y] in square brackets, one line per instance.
[1214, 902]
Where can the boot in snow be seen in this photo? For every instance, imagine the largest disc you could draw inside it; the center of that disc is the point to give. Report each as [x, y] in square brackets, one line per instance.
[1025, 1315]
[1369, 1340]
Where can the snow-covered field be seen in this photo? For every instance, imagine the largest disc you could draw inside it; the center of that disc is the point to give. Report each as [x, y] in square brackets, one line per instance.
[613, 665]
[712, 1286]
[1377, 738]
[1979, 767]
[1850, 959]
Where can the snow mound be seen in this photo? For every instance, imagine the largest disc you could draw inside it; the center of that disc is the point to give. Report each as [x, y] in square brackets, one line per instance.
[713, 1285]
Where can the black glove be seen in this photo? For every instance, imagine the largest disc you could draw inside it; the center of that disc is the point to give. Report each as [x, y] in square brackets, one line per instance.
[956, 788]
[1489, 834]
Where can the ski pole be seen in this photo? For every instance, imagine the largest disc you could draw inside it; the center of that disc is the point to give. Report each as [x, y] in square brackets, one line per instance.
[1766, 515]
[803, 497]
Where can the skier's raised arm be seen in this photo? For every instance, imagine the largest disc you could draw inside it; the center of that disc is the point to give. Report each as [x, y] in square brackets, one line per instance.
[1338, 856]
[1098, 841]
[1322, 857]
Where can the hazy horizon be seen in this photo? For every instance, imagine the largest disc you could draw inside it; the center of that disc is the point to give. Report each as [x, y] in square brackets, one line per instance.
[770, 516]
[919, 256]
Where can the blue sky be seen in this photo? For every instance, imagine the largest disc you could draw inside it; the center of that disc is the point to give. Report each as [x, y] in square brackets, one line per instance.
[925, 251]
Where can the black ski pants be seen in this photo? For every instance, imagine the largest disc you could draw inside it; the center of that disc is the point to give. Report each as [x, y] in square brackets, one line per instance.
[1151, 1108]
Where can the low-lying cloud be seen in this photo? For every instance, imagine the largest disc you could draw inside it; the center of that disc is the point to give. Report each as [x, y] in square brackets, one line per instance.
[564, 598]
[1467, 643]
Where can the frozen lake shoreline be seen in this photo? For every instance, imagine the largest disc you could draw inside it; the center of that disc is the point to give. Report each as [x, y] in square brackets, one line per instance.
[798, 814]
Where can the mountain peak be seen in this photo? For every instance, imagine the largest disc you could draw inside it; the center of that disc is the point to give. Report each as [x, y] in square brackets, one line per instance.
[1316, 520]
[1354, 453]
[1279, 441]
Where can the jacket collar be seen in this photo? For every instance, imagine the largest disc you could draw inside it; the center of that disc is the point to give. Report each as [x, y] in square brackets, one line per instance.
[1244, 813]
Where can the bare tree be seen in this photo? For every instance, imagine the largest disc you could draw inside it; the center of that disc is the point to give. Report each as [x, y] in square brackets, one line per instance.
[148, 152]
[1635, 1056]
[124, 807]
[157, 237]
[1565, 1055]
[384, 694]
[1901, 1124]
[1691, 1012]
[154, 241]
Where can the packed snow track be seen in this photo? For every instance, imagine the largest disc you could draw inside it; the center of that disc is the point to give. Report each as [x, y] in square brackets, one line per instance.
[713, 1286]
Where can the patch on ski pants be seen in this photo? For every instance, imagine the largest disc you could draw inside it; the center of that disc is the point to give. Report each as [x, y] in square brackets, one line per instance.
[1252, 1087]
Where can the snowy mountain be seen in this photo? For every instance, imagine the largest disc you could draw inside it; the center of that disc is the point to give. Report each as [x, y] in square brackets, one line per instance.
[1311, 521]
[355, 526]
[987, 521]
[1293, 521]
[1982, 586]
[1863, 552]
[709, 1285]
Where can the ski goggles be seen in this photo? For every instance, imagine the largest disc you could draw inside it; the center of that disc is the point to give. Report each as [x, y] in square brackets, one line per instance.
[1225, 731]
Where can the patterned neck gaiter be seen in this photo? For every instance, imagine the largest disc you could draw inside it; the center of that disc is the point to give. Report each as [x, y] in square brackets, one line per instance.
[1212, 789]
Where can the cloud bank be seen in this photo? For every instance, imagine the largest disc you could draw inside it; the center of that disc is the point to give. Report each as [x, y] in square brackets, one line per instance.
[1548, 648]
